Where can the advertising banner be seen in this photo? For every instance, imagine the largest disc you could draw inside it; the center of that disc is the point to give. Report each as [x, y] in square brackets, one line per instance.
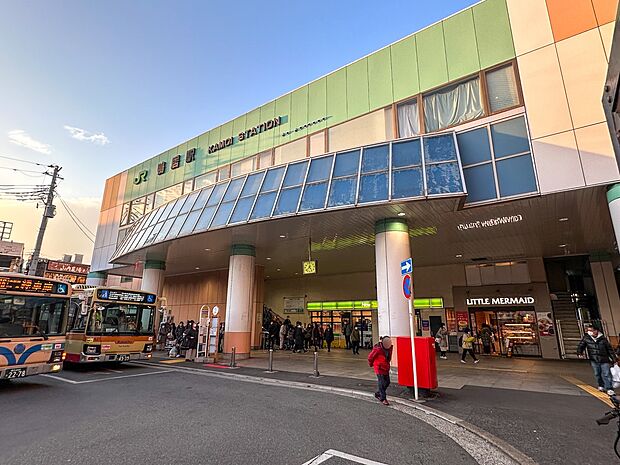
[294, 304]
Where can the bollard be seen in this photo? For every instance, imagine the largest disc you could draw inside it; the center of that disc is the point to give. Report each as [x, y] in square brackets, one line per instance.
[316, 365]
[270, 369]
[233, 357]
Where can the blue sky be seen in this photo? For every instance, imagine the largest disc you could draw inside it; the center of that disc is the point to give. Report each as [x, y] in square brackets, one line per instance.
[99, 86]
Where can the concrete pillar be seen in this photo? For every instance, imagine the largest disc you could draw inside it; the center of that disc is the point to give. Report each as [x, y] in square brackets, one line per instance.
[606, 295]
[97, 278]
[613, 201]
[239, 300]
[153, 277]
[391, 248]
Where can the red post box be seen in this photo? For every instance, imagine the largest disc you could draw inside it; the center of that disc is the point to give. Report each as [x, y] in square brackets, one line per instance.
[425, 358]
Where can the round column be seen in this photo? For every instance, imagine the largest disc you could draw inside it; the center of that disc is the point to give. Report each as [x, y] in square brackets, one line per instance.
[239, 305]
[153, 277]
[613, 201]
[96, 278]
[391, 248]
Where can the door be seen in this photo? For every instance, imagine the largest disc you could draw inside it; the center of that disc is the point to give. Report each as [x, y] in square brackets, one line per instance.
[435, 323]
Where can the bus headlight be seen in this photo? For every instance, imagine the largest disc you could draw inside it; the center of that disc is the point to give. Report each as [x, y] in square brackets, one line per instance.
[148, 348]
[92, 350]
[57, 356]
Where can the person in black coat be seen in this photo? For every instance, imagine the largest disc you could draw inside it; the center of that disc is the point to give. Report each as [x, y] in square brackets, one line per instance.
[191, 341]
[329, 337]
[601, 355]
[299, 336]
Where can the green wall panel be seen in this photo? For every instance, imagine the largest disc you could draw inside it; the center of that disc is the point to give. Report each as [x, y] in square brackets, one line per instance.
[131, 174]
[266, 139]
[337, 97]
[237, 149]
[405, 77]
[283, 108]
[223, 155]
[189, 169]
[160, 181]
[493, 32]
[212, 158]
[251, 144]
[299, 113]
[461, 47]
[357, 88]
[317, 103]
[380, 91]
[431, 57]
[202, 154]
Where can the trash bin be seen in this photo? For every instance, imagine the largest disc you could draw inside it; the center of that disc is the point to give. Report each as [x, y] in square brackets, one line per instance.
[426, 362]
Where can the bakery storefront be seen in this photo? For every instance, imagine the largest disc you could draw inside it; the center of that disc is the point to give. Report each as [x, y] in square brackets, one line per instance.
[520, 318]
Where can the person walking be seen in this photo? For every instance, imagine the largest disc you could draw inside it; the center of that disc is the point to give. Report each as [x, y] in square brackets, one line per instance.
[346, 330]
[283, 332]
[273, 334]
[329, 337]
[441, 338]
[355, 340]
[316, 336]
[468, 346]
[379, 358]
[486, 336]
[601, 356]
[299, 338]
[191, 341]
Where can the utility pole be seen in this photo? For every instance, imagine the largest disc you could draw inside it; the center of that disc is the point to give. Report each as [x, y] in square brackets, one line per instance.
[48, 212]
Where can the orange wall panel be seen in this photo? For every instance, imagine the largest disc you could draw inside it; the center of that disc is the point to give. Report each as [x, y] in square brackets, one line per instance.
[605, 10]
[568, 22]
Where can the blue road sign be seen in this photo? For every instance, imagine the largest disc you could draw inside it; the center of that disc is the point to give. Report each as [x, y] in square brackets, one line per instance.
[406, 266]
[407, 286]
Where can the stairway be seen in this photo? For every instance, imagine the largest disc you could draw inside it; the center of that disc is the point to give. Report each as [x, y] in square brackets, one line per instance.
[565, 313]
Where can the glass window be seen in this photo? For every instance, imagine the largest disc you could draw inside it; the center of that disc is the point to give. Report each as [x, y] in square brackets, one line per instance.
[373, 187]
[406, 154]
[443, 178]
[314, 196]
[516, 176]
[502, 88]
[166, 195]
[509, 138]
[295, 174]
[320, 169]
[144, 238]
[439, 148]
[202, 198]
[166, 212]
[177, 206]
[264, 205]
[137, 210]
[292, 151]
[342, 191]
[205, 218]
[242, 167]
[188, 186]
[218, 193]
[223, 173]
[480, 183]
[242, 210]
[116, 318]
[317, 144]
[252, 184]
[407, 183]
[156, 216]
[190, 222]
[347, 163]
[375, 158]
[31, 315]
[176, 226]
[125, 214]
[453, 105]
[408, 119]
[148, 203]
[288, 200]
[205, 180]
[233, 189]
[189, 203]
[221, 217]
[150, 235]
[474, 146]
[272, 179]
[164, 230]
[265, 159]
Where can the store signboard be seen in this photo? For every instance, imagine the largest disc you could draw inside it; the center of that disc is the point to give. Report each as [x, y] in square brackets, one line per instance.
[70, 278]
[64, 267]
[499, 301]
[294, 304]
[12, 249]
[462, 320]
[545, 324]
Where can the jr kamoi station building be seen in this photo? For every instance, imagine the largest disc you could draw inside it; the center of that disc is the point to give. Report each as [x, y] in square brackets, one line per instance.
[478, 146]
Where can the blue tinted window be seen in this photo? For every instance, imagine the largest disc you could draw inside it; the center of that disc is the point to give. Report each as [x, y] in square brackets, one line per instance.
[375, 158]
[439, 148]
[176, 226]
[509, 138]
[443, 178]
[233, 189]
[202, 198]
[407, 183]
[320, 169]
[151, 234]
[164, 230]
[242, 210]
[177, 206]
[264, 205]
[252, 184]
[205, 218]
[480, 183]
[166, 211]
[347, 163]
[295, 174]
[373, 187]
[406, 154]
[474, 146]
[138, 240]
[287, 203]
[190, 222]
[221, 217]
[516, 176]
[218, 193]
[189, 203]
[272, 179]
[342, 192]
[314, 196]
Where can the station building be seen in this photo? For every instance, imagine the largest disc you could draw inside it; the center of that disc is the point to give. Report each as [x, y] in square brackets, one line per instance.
[478, 146]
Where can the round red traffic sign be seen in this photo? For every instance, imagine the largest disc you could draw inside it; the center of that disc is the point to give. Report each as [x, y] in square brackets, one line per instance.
[407, 286]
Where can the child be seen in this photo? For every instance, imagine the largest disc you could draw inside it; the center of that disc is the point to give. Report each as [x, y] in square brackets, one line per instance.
[380, 358]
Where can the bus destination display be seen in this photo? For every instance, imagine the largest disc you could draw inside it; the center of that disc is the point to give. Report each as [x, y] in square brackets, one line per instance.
[37, 286]
[125, 296]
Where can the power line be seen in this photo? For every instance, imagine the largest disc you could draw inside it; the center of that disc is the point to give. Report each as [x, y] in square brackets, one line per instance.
[81, 226]
[74, 214]
[25, 161]
[22, 171]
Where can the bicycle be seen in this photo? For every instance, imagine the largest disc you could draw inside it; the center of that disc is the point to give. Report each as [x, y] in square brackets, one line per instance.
[614, 413]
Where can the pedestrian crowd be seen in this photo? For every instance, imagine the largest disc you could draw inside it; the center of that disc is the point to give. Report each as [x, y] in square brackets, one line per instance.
[180, 340]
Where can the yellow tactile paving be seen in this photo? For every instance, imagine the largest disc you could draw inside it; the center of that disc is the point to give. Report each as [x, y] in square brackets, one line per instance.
[603, 397]
[173, 360]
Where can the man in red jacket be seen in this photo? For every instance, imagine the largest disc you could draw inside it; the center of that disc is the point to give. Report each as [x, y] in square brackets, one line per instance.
[379, 358]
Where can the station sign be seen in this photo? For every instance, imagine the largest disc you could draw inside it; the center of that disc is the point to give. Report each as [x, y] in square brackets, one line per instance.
[126, 296]
[32, 285]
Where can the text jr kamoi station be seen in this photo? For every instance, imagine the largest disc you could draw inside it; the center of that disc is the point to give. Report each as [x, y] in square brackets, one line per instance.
[477, 146]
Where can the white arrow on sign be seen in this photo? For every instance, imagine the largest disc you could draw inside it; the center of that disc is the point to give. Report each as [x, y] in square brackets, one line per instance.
[325, 456]
[406, 267]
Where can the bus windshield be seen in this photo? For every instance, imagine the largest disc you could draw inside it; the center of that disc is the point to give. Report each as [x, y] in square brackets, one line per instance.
[121, 318]
[31, 315]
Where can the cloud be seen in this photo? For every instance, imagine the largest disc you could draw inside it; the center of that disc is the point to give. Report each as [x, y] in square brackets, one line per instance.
[86, 136]
[22, 138]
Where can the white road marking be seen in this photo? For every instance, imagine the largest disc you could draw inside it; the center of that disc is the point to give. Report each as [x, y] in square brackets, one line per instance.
[70, 381]
[328, 454]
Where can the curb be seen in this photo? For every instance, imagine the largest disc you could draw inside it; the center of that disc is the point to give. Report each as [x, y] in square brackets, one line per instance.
[504, 447]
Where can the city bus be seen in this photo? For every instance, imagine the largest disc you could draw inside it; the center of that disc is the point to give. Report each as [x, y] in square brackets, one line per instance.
[33, 320]
[108, 324]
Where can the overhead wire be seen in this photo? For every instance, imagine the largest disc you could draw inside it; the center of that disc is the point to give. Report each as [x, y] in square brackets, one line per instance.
[25, 161]
[81, 226]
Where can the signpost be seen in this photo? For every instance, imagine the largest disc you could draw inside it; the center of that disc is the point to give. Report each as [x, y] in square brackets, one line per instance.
[406, 269]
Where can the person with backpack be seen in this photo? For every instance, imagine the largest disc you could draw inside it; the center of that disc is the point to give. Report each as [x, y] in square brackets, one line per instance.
[601, 356]
[441, 338]
[379, 358]
[467, 343]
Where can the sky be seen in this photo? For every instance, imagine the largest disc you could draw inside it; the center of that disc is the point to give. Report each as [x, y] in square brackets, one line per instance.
[97, 87]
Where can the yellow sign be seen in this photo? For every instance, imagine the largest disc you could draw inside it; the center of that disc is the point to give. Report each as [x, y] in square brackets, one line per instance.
[309, 267]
